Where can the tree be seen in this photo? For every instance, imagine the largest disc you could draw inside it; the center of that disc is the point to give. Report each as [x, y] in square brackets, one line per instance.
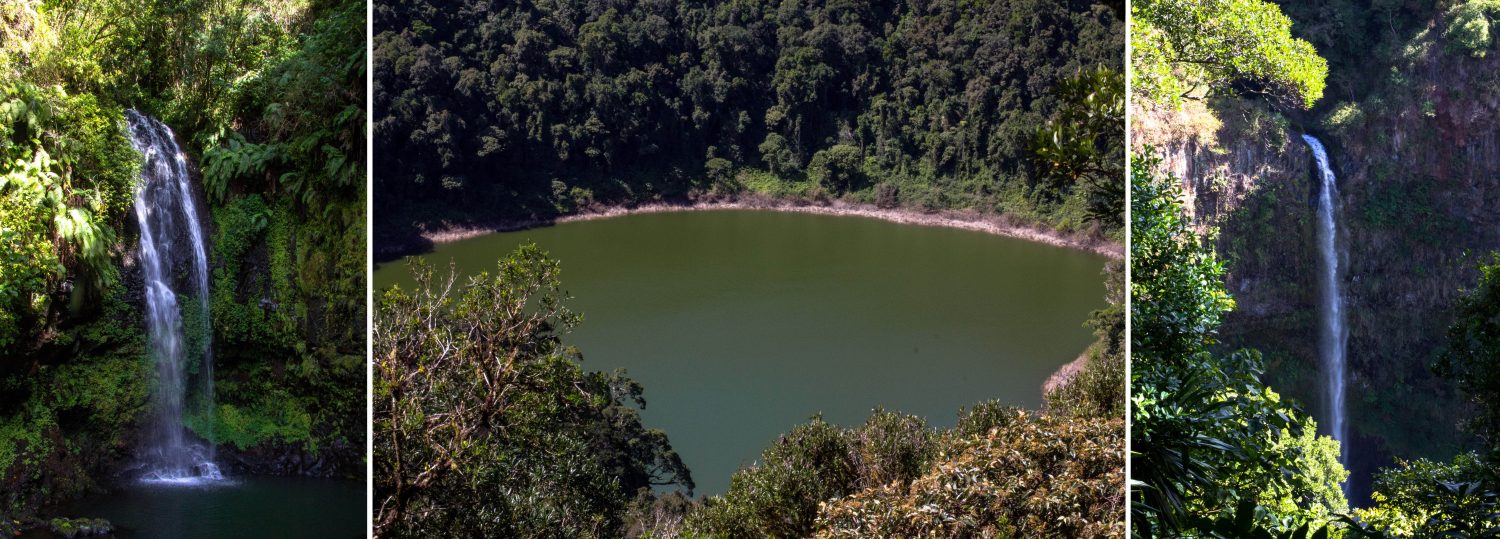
[1197, 48]
[1084, 147]
[777, 154]
[485, 423]
[837, 168]
[1470, 26]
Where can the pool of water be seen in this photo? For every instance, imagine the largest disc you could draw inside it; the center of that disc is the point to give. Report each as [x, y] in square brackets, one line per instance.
[237, 507]
[743, 324]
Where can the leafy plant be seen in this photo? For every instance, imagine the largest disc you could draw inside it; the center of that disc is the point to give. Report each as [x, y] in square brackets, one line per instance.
[1208, 437]
[1204, 48]
[1470, 25]
[484, 421]
[1084, 145]
[235, 159]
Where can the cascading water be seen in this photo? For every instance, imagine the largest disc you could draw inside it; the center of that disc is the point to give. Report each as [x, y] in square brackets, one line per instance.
[1334, 336]
[165, 211]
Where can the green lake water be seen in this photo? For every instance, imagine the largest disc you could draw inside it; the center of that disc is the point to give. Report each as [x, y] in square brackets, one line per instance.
[240, 507]
[743, 324]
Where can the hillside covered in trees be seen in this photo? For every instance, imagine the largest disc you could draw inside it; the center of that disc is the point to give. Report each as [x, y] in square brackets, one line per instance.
[1402, 96]
[266, 99]
[490, 112]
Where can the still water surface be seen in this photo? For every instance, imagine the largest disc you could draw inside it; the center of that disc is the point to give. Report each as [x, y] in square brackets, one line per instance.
[240, 507]
[742, 324]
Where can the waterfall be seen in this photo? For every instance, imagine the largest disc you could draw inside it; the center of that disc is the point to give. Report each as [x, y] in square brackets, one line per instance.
[166, 213]
[1334, 336]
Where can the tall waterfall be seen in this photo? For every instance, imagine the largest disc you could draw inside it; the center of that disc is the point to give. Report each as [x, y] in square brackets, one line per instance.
[165, 211]
[1334, 336]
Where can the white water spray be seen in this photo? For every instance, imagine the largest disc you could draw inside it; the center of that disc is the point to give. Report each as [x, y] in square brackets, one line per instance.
[165, 211]
[1334, 337]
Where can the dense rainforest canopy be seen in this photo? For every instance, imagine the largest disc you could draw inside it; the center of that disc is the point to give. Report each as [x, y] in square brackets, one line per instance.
[492, 111]
[266, 98]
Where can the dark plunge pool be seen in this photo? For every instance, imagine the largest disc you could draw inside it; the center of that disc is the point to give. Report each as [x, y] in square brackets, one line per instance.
[238, 507]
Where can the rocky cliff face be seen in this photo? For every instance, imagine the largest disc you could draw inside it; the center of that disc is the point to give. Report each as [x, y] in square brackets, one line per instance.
[1418, 161]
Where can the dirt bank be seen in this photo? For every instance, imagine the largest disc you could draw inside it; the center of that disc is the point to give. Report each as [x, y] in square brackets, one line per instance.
[967, 220]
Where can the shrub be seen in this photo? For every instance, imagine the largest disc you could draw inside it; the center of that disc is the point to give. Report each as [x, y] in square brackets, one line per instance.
[837, 168]
[779, 498]
[528, 446]
[1469, 29]
[1036, 476]
[1345, 119]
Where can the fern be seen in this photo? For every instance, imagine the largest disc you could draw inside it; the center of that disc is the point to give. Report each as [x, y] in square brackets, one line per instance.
[236, 160]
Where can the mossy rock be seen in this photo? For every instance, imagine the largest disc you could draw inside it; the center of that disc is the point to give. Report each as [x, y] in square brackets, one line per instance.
[80, 527]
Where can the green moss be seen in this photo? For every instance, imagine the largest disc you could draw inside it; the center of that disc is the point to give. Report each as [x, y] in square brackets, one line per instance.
[279, 417]
[241, 316]
[77, 414]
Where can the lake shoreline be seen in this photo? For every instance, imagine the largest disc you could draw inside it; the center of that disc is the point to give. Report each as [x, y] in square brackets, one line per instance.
[998, 225]
[1065, 374]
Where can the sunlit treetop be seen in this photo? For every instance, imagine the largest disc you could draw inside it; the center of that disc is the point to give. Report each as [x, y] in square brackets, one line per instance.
[1206, 48]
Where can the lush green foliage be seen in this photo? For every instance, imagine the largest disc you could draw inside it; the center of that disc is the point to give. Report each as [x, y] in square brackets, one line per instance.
[1197, 48]
[536, 107]
[485, 422]
[1207, 436]
[95, 397]
[72, 364]
[1422, 498]
[987, 486]
[894, 476]
[1086, 143]
[288, 253]
[66, 174]
[286, 174]
[814, 463]
[1470, 25]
